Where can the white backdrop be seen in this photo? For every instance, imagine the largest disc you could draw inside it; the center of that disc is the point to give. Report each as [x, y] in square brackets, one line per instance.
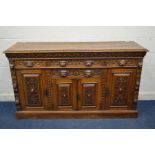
[143, 35]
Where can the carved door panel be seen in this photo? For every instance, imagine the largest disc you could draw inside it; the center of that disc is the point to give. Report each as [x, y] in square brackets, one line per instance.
[31, 84]
[89, 95]
[64, 94]
[120, 88]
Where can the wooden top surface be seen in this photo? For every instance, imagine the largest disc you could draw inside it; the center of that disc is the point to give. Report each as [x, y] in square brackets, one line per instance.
[116, 46]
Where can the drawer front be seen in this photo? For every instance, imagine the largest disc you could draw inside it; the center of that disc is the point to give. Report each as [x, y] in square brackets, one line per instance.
[78, 63]
[75, 73]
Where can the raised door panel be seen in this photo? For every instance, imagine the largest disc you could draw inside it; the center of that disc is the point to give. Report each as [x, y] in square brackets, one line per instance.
[120, 87]
[64, 94]
[89, 97]
[31, 89]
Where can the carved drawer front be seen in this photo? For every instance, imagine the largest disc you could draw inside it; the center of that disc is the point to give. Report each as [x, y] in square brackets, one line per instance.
[120, 89]
[75, 73]
[89, 96]
[31, 89]
[64, 94]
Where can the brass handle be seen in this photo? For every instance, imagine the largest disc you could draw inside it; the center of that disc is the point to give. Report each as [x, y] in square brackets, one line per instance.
[88, 95]
[120, 90]
[122, 62]
[29, 64]
[32, 90]
[88, 73]
[63, 63]
[88, 63]
[63, 73]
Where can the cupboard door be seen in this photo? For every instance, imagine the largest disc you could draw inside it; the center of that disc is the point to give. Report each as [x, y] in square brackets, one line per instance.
[89, 94]
[120, 88]
[31, 89]
[65, 94]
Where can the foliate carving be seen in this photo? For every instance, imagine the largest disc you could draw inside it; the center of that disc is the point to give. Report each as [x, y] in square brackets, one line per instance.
[120, 88]
[75, 54]
[32, 83]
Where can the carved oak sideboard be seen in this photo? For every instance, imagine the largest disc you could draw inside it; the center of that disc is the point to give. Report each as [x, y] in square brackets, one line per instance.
[76, 79]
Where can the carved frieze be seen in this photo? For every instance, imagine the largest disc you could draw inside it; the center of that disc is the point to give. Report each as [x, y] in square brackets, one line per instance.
[77, 62]
[74, 54]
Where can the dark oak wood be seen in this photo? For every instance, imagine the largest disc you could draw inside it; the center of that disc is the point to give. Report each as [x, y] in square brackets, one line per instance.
[76, 79]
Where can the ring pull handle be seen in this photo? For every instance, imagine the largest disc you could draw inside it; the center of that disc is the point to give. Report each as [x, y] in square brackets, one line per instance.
[122, 62]
[88, 73]
[63, 73]
[88, 63]
[63, 63]
[120, 90]
[32, 90]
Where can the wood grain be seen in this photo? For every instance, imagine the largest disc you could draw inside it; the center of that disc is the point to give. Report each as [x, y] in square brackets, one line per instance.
[34, 47]
[76, 79]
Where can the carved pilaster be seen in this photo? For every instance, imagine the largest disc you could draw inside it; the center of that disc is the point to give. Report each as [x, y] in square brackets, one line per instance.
[49, 88]
[138, 76]
[15, 85]
[103, 75]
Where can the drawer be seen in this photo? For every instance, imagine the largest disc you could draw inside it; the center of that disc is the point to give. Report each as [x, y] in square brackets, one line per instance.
[78, 63]
[73, 73]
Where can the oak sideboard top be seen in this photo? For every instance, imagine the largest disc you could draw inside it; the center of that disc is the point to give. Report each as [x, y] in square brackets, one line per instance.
[115, 46]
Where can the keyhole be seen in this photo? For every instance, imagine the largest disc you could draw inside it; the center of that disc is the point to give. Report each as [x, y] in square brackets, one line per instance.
[88, 95]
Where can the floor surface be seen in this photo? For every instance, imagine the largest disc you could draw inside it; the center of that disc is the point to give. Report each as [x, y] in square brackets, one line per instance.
[146, 120]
